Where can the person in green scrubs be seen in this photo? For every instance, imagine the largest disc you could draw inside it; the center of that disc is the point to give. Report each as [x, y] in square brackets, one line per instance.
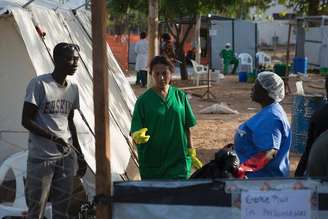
[160, 127]
[229, 58]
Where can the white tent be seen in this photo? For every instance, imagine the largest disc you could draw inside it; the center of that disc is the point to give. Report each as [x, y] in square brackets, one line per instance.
[24, 54]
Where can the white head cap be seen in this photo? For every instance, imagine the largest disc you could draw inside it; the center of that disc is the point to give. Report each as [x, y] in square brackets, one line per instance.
[228, 45]
[272, 83]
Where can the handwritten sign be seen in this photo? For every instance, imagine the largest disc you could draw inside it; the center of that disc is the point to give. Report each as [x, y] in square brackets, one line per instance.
[290, 204]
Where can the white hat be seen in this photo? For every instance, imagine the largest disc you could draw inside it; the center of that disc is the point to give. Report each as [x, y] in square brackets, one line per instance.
[273, 84]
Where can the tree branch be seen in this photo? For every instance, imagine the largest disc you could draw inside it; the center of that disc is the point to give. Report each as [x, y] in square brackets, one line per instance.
[168, 24]
[191, 24]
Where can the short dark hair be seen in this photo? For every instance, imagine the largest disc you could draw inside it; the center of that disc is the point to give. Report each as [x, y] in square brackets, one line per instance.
[161, 60]
[143, 35]
[61, 48]
[166, 37]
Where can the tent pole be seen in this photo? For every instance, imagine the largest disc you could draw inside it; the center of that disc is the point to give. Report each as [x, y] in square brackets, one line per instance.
[27, 3]
[100, 97]
[286, 78]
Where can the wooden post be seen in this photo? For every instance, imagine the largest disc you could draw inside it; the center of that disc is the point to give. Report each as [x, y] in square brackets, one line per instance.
[287, 59]
[100, 97]
[153, 48]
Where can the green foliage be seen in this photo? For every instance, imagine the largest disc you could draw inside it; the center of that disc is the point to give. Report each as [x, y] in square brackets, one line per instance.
[127, 15]
[307, 7]
[172, 9]
[130, 13]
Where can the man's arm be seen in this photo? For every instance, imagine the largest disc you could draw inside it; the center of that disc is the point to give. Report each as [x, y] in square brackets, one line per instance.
[72, 129]
[29, 112]
[82, 163]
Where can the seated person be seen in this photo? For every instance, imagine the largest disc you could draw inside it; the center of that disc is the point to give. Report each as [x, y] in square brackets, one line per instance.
[262, 143]
[229, 58]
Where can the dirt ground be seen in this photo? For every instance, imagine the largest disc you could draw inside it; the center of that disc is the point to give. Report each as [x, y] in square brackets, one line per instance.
[213, 131]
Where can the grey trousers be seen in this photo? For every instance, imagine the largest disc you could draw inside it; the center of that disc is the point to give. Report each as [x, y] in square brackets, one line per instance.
[45, 176]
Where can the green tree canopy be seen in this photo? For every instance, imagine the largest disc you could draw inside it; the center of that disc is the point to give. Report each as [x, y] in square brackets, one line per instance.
[307, 7]
[171, 12]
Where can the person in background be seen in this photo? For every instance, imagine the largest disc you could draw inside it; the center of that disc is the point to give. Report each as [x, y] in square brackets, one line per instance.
[167, 47]
[318, 124]
[161, 127]
[229, 58]
[141, 49]
[191, 55]
[317, 165]
[203, 46]
[262, 143]
[48, 114]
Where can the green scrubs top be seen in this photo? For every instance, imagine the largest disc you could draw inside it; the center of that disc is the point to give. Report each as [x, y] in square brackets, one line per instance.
[227, 55]
[165, 155]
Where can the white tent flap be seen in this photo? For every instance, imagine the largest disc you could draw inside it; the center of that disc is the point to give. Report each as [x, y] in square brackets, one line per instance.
[30, 55]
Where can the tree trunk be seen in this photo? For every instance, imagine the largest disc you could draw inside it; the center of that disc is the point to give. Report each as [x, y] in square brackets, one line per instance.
[197, 38]
[179, 52]
[182, 64]
[183, 71]
[152, 34]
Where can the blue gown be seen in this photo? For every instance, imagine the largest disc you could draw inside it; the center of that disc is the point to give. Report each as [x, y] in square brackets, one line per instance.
[268, 129]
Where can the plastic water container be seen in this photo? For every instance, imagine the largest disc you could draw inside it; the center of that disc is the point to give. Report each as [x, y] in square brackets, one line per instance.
[242, 76]
[244, 68]
[300, 65]
[303, 108]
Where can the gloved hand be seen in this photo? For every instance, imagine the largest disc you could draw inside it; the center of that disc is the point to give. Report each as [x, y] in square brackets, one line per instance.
[197, 164]
[255, 163]
[82, 166]
[140, 136]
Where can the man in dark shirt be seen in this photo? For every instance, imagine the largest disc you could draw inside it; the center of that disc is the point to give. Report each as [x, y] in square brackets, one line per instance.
[318, 124]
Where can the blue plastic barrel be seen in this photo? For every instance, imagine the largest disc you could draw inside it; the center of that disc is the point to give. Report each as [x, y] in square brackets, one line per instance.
[300, 65]
[303, 108]
[242, 76]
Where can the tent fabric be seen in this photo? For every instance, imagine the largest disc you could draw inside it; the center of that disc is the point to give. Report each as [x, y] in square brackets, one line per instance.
[83, 17]
[13, 82]
[63, 25]
[51, 4]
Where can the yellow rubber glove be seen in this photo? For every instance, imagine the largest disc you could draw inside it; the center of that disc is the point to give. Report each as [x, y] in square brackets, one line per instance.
[140, 136]
[197, 164]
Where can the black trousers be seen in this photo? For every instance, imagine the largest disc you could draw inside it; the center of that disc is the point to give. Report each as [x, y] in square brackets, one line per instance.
[143, 77]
